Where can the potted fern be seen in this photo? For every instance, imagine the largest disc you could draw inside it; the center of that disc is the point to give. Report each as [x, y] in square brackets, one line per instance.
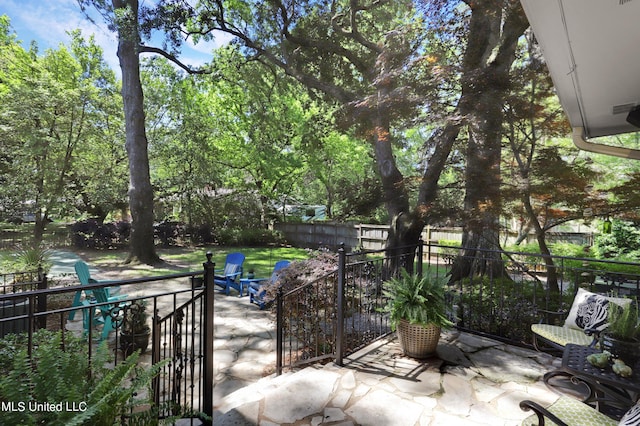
[621, 337]
[135, 332]
[417, 310]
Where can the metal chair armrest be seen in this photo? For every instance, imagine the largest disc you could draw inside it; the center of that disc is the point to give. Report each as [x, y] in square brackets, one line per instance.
[540, 412]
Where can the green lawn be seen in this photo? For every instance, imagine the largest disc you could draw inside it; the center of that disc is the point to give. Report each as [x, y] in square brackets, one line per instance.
[178, 259]
[261, 259]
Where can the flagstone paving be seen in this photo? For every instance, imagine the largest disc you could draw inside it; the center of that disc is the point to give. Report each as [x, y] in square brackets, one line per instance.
[471, 381]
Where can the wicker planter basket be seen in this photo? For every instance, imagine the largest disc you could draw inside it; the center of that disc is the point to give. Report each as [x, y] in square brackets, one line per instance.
[418, 341]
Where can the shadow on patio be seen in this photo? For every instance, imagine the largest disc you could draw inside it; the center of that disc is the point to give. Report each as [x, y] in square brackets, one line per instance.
[472, 381]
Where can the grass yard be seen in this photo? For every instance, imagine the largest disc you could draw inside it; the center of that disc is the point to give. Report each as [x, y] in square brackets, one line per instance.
[182, 259]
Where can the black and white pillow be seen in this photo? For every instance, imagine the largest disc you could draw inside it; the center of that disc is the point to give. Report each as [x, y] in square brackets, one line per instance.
[631, 417]
[588, 311]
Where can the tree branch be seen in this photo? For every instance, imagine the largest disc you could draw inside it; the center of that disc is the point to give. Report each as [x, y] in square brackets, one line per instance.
[354, 34]
[172, 58]
[326, 45]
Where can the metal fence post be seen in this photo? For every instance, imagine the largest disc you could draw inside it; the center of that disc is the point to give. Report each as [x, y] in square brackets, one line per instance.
[207, 381]
[420, 254]
[42, 299]
[342, 261]
[279, 326]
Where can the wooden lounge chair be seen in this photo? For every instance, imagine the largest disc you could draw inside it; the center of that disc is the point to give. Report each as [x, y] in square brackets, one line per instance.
[567, 411]
[230, 276]
[255, 286]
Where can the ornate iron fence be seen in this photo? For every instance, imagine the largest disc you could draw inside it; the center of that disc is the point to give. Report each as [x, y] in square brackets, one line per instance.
[340, 312]
[332, 317]
[180, 321]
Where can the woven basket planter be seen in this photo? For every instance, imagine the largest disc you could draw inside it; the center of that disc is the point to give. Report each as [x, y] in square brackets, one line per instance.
[418, 341]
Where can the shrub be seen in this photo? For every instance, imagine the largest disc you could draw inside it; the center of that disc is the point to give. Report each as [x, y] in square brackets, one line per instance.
[201, 234]
[624, 239]
[253, 237]
[500, 307]
[170, 233]
[91, 233]
[308, 312]
[569, 250]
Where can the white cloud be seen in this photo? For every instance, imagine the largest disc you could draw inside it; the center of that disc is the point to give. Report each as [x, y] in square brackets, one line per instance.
[47, 21]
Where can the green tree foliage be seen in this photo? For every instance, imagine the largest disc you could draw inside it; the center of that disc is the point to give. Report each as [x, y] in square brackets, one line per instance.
[179, 130]
[55, 122]
[339, 170]
[622, 243]
[229, 149]
[360, 56]
[99, 177]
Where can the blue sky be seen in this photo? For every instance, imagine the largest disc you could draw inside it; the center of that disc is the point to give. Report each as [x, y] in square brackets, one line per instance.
[46, 22]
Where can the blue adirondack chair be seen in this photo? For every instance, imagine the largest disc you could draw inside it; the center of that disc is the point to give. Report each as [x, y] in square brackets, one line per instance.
[230, 276]
[255, 286]
[84, 276]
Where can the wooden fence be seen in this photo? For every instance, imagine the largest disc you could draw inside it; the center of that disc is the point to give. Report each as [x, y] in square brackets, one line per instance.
[373, 237]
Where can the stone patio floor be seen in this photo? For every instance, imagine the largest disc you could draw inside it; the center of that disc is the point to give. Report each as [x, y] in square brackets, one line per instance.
[472, 381]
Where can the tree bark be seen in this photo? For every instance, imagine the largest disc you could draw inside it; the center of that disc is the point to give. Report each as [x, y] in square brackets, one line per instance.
[552, 273]
[495, 27]
[142, 247]
[405, 228]
[494, 30]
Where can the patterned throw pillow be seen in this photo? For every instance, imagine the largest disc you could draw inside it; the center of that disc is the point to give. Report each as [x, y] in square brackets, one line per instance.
[631, 417]
[589, 310]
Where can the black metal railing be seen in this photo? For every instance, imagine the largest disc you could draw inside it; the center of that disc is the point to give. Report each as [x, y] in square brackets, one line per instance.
[522, 287]
[180, 310]
[19, 283]
[327, 318]
[178, 336]
[335, 315]
[15, 282]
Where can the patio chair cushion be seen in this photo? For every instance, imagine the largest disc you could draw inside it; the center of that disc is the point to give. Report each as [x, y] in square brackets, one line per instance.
[231, 269]
[573, 412]
[561, 335]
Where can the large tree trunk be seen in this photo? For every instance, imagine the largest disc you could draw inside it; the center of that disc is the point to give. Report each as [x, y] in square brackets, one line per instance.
[142, 247]
[494, 30]
[405, 227]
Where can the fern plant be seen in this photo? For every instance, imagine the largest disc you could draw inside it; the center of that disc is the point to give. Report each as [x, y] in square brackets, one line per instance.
[55, 376]
[115, 392]
[52, 376]
[417, 300]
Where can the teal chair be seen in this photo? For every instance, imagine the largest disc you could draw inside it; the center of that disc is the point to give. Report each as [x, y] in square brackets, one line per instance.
[101, 310]
[84, 276]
